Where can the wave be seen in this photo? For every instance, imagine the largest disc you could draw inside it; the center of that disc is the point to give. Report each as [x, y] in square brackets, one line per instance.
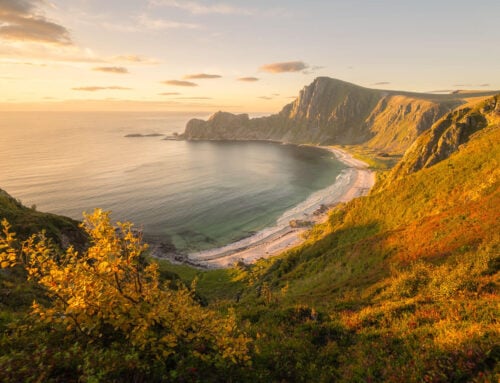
[302, 211]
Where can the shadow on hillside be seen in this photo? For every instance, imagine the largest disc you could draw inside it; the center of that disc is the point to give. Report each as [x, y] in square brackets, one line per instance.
[355, 249]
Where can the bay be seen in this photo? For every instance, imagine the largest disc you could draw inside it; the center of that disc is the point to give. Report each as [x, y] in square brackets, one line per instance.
[198, 195]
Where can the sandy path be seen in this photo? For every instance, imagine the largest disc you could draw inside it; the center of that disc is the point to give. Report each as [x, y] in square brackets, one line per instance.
[360, 183]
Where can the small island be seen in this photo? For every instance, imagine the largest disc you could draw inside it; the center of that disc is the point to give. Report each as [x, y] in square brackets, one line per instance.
[136, 135]
[174, 137]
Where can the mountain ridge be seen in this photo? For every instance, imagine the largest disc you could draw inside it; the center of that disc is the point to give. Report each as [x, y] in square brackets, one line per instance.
[331, 111]
[397, 286]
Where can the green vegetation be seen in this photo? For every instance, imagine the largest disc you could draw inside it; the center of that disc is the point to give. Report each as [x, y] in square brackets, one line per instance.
[26, 221]
[445, 137]
[398, 286]
[110, 316]
[219, 284]
[376, 159]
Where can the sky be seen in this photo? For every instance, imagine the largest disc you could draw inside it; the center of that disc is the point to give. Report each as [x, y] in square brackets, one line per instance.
[240, 56]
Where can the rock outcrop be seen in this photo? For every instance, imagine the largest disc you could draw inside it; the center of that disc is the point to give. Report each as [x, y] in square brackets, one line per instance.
[330, 111]
[398, 120]
[446, 136]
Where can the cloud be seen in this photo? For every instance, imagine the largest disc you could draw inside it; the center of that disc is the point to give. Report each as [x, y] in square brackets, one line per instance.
[179, 83]
[201, 76]
[169, 94]
[162, 24]
[197, 7]
[136, 59]
[289, 66]
[111, 69]
[381, 83]
[16, 6]
[248, 79]
[471, 85]
[98, 88]
[440, 91]
[21, 20]
[265, 98]
[193, 98]
[275, 94]
[27, 63]
[43, 54]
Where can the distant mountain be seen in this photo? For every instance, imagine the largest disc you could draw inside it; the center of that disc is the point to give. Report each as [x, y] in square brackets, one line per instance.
[330, 111]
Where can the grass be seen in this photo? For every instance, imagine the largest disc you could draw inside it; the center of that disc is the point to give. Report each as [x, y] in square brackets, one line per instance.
[398, 286]
[212, 285]
[376, 159]
[27, 221]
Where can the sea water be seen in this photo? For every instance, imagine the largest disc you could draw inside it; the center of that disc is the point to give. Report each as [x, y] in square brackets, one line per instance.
[197, 195]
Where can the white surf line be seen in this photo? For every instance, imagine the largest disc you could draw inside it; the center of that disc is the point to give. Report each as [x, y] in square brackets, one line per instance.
[353, 182]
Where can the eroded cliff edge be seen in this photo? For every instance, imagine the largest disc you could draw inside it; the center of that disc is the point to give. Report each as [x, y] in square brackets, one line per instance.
[331, 111]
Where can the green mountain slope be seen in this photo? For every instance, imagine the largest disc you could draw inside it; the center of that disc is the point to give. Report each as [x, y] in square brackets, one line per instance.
[16, 294]
[401, 285]
[447, 135]
[398, 286]
[429, 214]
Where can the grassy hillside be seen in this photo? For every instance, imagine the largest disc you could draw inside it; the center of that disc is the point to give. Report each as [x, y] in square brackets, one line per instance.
[447, 134]
[16, 294]
[26, 221]
[401, 285]
[398, 286]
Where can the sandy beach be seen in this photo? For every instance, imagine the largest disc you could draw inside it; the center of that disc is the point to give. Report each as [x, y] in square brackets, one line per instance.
[358, 181]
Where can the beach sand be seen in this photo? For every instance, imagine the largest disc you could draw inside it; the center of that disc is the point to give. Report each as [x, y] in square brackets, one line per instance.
[360, 183]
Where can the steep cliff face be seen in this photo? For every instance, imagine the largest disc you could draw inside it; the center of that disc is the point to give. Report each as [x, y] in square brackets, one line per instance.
[326, 111]
[330, 111]
[398, 120]
[446, 135]
[219, 126]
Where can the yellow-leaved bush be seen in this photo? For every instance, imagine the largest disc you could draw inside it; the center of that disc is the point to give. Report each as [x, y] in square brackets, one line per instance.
[109, 294]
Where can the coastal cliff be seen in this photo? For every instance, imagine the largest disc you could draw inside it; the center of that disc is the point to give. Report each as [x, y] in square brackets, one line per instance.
[331, 111]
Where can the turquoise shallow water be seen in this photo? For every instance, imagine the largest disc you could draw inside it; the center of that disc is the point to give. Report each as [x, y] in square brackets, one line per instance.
[198, 195]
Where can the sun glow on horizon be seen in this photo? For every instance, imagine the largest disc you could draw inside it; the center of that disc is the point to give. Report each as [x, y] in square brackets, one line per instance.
[213, 55]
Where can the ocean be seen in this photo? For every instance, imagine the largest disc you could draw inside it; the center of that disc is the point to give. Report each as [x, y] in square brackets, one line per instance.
[196, 195]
